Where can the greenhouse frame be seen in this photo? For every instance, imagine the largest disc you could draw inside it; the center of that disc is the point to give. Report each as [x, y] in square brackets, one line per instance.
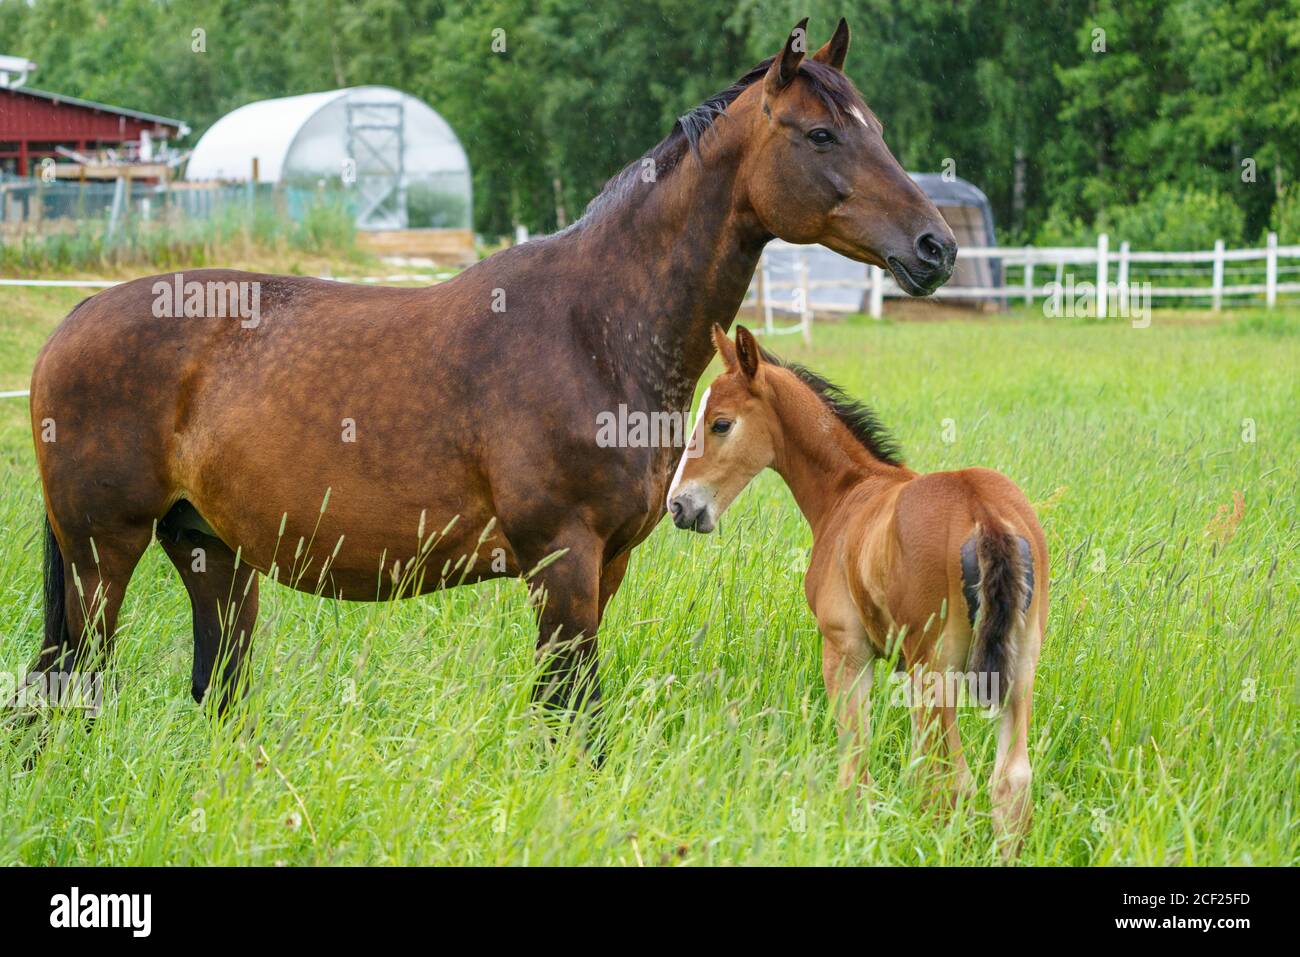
[399, 162]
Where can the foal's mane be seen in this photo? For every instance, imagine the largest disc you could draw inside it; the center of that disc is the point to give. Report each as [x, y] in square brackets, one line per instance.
[831, 87]
[858, 417]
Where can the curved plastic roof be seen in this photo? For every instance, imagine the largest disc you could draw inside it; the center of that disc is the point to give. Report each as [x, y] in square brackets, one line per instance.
[956, 191]
[307, 136]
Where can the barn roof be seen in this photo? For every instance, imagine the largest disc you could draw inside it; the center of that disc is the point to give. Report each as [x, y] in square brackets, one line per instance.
[180, 126]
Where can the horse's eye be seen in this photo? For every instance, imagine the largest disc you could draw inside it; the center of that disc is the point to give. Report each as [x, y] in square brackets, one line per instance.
[821, 137]
[722, 426]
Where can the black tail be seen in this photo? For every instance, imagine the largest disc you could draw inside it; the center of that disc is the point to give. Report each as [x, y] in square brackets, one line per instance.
[1006, 585]
[55, 643]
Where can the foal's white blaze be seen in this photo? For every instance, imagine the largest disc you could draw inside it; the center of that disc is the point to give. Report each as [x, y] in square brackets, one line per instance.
[681, 463]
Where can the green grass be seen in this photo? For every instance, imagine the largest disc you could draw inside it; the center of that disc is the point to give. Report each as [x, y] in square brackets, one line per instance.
[1165, 724]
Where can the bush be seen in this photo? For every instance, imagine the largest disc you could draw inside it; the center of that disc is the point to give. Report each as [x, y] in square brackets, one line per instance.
[1062, 229]
[1176, 218]
[1286, 217]
[1168, 218]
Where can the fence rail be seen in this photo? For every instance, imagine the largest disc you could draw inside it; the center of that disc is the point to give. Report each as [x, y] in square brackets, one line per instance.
[1042, 273]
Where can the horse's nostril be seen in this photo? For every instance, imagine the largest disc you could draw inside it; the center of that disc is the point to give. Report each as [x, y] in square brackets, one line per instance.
[931, 249]
[676, 508]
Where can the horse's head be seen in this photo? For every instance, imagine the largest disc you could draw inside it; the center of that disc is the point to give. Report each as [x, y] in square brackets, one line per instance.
[736, 431]
[817, 170]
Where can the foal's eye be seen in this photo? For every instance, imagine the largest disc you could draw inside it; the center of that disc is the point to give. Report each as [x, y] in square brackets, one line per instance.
[821, 137]
[722, 426]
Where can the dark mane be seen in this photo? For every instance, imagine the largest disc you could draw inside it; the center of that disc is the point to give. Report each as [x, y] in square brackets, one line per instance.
[831, 87]
[858, 417]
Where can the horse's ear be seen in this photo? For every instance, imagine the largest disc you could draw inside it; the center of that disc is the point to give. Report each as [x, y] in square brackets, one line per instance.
[747, 352]
[836, 48]
[725, 348]
[786, 63]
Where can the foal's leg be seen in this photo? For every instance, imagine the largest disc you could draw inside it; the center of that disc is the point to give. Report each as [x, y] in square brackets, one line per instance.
[223, 600]
[935, 736]
[936, 722]
[949, 658]
[1012, 774]
[847, 670]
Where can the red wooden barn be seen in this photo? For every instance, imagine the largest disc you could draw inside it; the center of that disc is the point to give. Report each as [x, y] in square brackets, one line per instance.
[33, 123]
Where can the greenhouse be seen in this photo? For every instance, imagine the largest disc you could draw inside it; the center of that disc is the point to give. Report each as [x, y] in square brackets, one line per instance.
[397, 160]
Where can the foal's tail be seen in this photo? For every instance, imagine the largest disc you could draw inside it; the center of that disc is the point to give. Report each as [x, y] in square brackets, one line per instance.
[55, 642]
[1005, 587]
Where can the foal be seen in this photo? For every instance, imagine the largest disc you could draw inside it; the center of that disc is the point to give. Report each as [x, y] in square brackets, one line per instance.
[952, 565]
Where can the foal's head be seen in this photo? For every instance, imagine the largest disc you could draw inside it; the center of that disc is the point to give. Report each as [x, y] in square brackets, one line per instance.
[765, 412]
[817, 170]
[735, 438]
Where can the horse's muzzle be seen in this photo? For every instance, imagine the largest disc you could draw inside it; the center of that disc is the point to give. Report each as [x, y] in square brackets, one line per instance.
[691, 513]
[929, 265]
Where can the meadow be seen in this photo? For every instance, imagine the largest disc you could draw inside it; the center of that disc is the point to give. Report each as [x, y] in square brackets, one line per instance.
[1162, 461]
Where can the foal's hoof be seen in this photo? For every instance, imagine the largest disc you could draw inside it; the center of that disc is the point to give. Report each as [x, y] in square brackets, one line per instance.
[1009, 847]
[863, 789]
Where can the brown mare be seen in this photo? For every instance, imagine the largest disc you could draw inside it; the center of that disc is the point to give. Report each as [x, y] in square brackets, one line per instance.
[452, 428]
[896, 557]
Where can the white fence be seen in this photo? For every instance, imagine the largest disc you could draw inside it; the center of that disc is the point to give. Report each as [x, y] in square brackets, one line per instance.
[801, 280]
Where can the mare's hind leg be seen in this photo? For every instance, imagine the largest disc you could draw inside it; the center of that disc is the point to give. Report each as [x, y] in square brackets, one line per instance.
[223, 599]
[97, 565]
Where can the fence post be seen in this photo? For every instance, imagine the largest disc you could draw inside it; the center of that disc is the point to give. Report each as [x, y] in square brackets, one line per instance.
[1121, 280]
[117, 211]
[1217, 294]
[1029, 275]
[877, 299]
[1103, 246]
[760, 288]
[1270, 274]
[805, 318]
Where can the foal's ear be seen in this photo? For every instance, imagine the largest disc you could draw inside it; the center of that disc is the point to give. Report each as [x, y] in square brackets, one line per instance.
[747, 352]
[786, 63]
[725, 348]
[836, 48]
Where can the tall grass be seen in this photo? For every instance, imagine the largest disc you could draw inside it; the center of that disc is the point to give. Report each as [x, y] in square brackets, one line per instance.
[234, 230]
[1165, 722]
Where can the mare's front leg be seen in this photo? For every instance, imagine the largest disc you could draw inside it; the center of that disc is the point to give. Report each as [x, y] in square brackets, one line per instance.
[567, 594]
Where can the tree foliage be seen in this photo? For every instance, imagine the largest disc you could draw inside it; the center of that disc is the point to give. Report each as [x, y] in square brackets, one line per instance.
[1067, 113]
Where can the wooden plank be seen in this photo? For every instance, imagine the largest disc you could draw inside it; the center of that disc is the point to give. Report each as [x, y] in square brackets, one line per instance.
[111, 171]
[453, 246]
